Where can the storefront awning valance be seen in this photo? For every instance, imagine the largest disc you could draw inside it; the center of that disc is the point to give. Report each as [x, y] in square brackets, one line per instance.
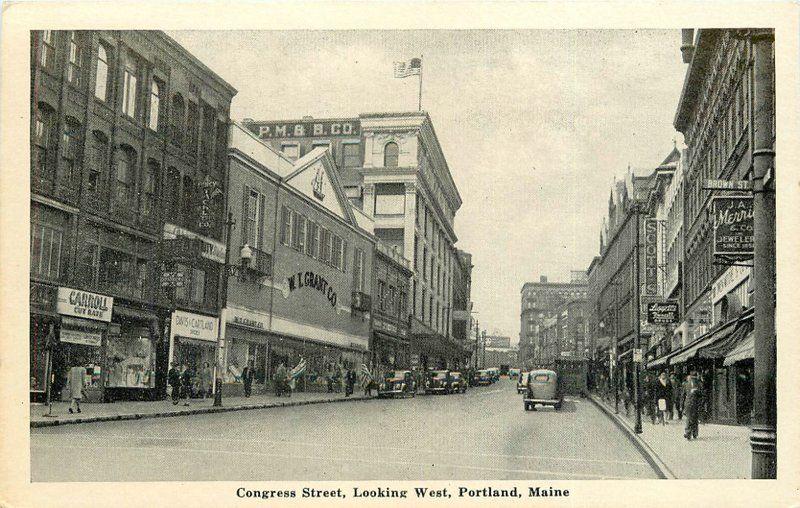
[721, 348]
[663, 360]
[706, 340]
[132, 313]
[743, 351]
[391, 338]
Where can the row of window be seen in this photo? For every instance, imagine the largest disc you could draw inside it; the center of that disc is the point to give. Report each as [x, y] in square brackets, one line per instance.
[391, 299]
[351, 152]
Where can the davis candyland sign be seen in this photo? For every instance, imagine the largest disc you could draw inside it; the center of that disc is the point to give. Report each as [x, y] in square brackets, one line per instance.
[83, 304]
[194, 326]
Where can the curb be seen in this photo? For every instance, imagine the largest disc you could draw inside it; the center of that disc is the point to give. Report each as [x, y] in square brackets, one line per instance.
[663, 471]
[187, 412]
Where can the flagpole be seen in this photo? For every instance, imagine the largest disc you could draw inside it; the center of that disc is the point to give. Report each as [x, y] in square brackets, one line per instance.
[420, 82]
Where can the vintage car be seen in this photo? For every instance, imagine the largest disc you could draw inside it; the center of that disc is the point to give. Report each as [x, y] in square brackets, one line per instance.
[483, 377]
[495, 374]
[458, 384]
[522, 382]
[438, 381]
[542, 388]
[514, 373]
[397, 383]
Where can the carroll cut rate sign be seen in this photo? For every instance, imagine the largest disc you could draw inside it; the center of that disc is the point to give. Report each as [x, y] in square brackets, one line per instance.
[733, 225]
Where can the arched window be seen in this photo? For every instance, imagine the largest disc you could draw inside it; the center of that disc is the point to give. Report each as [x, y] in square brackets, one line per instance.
[43, 129]
[176, 120]
[155, 104]
[391, 154]
[148, 194]
[98, 163]
[129, 86]
[101, 79]
[172, 192]
[47, 53]
[69, 151]
[75, 59]
[125, 175]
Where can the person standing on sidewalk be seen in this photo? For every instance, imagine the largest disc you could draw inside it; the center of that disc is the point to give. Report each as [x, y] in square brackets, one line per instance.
[206, 381]
[76, 375]
[247, 379]
[677, 397]
[648, 397]
[174, 379]
[692, 398]
[186, 384]
[350, 378]
[663, 396]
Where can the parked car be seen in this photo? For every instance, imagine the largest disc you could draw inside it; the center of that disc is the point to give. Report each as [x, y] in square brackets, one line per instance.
[542, 388]
[514, 373]
[522, 382]
[397, 383]
[438, 381]
[495, 374]
[483, 377]
[457, 383]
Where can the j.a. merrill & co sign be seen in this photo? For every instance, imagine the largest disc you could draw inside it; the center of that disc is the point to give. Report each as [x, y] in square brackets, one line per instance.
[326, 128]
[662, 313]
[733, 225]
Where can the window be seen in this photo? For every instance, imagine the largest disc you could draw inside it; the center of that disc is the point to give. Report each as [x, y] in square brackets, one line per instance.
[176, 120]
[124, 175]
[252, 212]
[193, 128]
[291, 150]
[188, 199]
[101, 79]
[389, 204]
[172, 192]
[129, 87]
[97, 166]
[424, 263]
[327, 246]
[148, 195]
[336, 252]
[42, 132]
[301, 233]
[286, 226]
[430, 310]
[311, 239]
[351, 157]
[194, 286]
[155, 104]
[391, 154]
[48, 50]
[423, 302]
[122, 272]
[358, 270]
[46, 243]
[69, 149]
[390, 301]
[75, 57]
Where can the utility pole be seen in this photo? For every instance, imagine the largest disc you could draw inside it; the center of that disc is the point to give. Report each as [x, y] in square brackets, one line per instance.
[477, 339]
[221, 302]
[763, 438]
[637, 338]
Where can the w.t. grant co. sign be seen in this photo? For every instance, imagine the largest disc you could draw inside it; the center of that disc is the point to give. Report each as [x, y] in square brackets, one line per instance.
[305, 129]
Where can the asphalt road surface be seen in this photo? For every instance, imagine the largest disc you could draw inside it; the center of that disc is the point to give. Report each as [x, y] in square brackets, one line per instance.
[482, 434]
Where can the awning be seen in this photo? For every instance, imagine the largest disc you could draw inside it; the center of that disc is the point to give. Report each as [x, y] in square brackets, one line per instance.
[721, 348]
[663, 360]
[743, 351]
[391, 338]
[706, 340]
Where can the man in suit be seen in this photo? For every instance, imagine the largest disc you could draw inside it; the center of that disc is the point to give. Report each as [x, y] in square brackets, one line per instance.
[174, 379]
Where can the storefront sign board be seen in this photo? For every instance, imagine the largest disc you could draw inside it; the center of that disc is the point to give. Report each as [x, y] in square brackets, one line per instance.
[212, 249]
[194, 326]
[83, 304]
[82, 337]
[650, 257]
[306, 129]
[733, 225]
[728, 281]
[661, 313]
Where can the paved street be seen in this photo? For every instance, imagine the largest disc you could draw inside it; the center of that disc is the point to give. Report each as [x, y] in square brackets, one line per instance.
[483, 434]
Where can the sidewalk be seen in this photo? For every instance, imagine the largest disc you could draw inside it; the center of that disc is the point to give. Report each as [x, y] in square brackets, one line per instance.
[720, 451]
[99, 412]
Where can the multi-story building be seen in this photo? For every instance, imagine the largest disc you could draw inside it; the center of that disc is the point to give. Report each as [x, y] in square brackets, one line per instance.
[497, 352]
[393, 168]
[539, 300]
[462, 296]
[391, 283]
[128, 140]
[303, 289]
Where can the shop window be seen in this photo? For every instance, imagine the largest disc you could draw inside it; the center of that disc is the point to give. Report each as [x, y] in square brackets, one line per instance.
[130, 78]
[46, 249]
[148, 195]
[75, 59]
[101, 77]
[351, 155]
[155, 105]
[47, 54]
[43, 129]
[391, 155]
[131, 359]
[125, 174]
[98, 163]
[176, 120]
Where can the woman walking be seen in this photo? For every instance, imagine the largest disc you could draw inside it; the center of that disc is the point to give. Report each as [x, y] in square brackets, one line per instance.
[691, 404]
[663, 396]
[76, 375]
[677, 397]
[206, 380]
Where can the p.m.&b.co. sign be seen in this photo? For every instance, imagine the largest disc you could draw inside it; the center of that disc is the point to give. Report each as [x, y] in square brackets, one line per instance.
[733, 225]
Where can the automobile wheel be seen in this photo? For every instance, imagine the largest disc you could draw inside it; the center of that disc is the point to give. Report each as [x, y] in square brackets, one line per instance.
[557, 406]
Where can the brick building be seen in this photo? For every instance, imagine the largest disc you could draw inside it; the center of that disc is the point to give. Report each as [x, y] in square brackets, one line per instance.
[125, 127]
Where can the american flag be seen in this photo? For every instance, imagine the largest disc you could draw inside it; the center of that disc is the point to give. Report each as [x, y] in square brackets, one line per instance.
[405, 69]
[365, 376]
[299, 370]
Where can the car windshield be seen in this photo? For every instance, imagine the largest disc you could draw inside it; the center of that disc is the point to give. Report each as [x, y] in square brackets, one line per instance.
[394, 375]
[455, 375]
[440, 374]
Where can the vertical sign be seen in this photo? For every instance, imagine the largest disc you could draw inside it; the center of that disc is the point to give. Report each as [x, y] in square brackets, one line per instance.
[733, 225]
[651, 257]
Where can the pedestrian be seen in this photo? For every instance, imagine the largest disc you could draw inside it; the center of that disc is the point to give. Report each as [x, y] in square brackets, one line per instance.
[663, 396]
[350, 380]
[626, 398]
[247, 379]
[281, 380]
[691, 404]
[186, 383]
[677, 397]
[206, 380]
[76, 375]
[648, 397]
[174, 379]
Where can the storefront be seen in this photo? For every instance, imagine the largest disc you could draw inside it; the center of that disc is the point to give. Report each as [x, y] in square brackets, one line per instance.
[390, 346]
[246, 343]
[132, 345]
[193, 341]
[44, 321]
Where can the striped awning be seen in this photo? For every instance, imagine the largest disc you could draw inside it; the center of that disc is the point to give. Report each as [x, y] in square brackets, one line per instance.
[743, 351]
[705, 340]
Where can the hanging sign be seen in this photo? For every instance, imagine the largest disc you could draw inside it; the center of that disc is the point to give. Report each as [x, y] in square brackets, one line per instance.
[651, 257]
[662, 313]
[733, 225]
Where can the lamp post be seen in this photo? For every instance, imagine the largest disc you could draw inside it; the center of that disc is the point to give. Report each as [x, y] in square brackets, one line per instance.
[637, 322]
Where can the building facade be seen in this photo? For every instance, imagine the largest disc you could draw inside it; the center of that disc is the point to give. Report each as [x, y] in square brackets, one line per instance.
[303, 289]
[391, 283]
[393, 168]
[125, 128]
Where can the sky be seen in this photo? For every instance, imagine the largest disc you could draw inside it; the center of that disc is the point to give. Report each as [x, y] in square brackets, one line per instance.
[534, 124]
